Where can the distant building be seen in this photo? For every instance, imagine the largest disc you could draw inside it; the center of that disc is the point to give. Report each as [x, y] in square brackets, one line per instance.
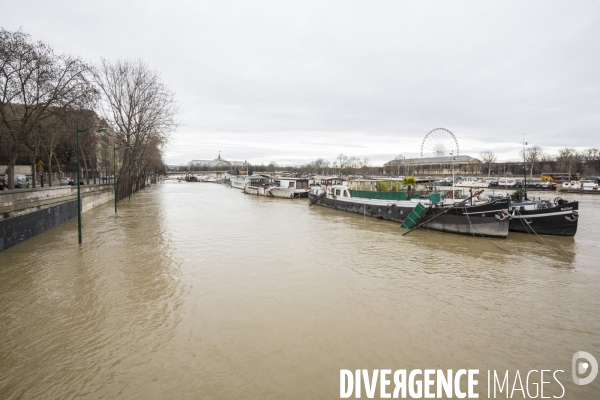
[217, 163]
[173, 167]
[463, 165]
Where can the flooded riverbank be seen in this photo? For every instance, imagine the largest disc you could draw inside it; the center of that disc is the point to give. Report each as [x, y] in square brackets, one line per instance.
[197, 291]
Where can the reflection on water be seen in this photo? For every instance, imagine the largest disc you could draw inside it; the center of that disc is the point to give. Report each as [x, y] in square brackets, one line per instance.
[196, 291]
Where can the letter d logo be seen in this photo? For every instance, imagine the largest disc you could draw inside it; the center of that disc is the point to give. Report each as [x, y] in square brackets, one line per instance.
[582, 367]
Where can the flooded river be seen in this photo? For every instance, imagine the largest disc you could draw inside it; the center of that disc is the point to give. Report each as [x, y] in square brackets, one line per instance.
[196, 291]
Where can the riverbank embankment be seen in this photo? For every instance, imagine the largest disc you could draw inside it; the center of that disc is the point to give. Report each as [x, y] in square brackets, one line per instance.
[25, 213]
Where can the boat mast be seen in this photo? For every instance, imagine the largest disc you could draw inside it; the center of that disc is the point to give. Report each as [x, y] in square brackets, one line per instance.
[525, 165]
[505, 182]
[452, 155]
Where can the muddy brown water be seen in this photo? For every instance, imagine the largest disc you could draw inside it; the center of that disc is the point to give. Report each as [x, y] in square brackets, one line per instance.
[194, 290]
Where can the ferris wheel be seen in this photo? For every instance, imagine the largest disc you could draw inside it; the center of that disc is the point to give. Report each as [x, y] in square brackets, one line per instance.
[439, 142]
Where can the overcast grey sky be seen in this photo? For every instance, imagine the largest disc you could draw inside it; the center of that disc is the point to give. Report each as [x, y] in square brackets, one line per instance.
[291, 81]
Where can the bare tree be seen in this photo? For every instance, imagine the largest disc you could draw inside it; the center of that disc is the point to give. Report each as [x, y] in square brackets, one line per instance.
[567, 159]
[354, 163]
[51, 131]
[365, 164]
[547, 163]
[60, 128]
[325, 166]
[104, 149]
[342, 161]
[488, 157]
[34, 85]
[142, 111]
[318, 164]
[398, 161]
[591, 161]
[532, 155]
[88, 142]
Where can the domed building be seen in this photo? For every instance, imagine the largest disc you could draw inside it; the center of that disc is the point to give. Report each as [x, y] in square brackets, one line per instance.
[216, 163]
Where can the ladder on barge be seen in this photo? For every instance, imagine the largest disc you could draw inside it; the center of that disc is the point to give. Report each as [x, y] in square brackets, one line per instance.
[414, 216]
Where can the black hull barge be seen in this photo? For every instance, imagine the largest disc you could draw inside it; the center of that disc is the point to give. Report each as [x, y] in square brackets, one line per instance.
[489, 219]
[545, 218]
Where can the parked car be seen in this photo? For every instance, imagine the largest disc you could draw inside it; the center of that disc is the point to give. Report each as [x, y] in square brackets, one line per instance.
[20, 180]
[65, 181]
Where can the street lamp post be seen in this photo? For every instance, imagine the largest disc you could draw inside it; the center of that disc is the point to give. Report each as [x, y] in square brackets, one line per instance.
[100, 129]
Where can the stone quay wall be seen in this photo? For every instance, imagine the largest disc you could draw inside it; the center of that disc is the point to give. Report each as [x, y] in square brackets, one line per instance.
[25, 213]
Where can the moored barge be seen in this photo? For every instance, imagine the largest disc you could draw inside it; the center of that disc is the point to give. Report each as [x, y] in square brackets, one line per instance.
[489, 219]
[558, 218]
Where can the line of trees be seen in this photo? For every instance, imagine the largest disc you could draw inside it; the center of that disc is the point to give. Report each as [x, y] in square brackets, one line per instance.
[43, 95]
[568, 160]
[36, 85]
[341, 165]
[487, 158]
[142, 112]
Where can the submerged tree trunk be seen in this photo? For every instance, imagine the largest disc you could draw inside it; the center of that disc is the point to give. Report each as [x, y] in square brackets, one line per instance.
[50, 169]
[85, 166]
[10, 168]
[122, 177]
[33, 173]
[531, 174]
[59, 168]
[33, 169]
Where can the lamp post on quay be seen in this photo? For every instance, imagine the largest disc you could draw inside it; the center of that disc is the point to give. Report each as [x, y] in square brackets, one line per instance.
[100, 129]
[525, 165]
[115, 172]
